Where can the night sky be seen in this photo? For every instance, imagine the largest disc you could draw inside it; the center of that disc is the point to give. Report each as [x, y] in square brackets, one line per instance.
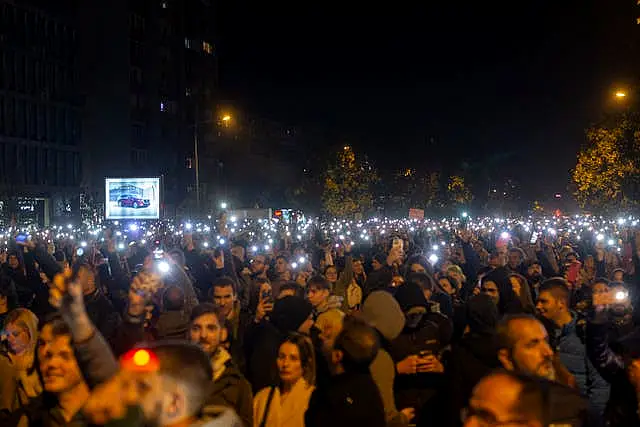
[508, 85]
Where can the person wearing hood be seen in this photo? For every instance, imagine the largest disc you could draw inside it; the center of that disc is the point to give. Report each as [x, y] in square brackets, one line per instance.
[417, 353]
[381, 311]
[497, 285]
[474, 356]
[263, 339]
[534, 277]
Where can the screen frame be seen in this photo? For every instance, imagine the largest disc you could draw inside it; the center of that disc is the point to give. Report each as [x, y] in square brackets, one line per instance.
[156, 180]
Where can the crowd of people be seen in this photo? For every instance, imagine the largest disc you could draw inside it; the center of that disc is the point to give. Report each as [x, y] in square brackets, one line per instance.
[425, 326]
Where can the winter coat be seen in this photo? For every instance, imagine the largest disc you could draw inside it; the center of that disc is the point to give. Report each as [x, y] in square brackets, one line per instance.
[172, 325]
[232, 390]
[420, 390]
[347, 400]
[383, 313]
[573, 355]
[102, 314]
[622, 408]
[288, 413]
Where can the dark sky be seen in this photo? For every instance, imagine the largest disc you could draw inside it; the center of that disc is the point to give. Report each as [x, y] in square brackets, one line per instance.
[518, 80]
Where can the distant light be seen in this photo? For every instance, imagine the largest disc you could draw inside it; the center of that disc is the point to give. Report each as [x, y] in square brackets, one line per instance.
[433, 258]
[464, 214]
[294, 265]
[621, 221]
[435, 247]
[551, 231]
[610, 242]
[223, 205]
[133, 227]
[83, 244]
[221, 241]
[600, 237]
[188, 226]
[226, 118]
[341, 237]
[234, 218]
[69, 226]
[266, 247]
[504, 235]
[254, 248]
[621, 94]
[301, 260]
[206, 244]
[164, 267]
[558, 196]
[121, 246]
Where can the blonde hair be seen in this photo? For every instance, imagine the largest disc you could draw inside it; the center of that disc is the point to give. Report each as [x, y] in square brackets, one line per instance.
[25, 319]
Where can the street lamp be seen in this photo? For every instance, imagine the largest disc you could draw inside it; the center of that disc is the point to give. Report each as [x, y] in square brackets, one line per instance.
[223, 205]
[620, 94]
[226, 118]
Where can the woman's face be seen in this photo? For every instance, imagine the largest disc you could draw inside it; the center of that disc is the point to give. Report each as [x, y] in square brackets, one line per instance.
[289, 363]
[18, 338]
[331, 274]
[357, 267]
[455, 275]
[446, 285]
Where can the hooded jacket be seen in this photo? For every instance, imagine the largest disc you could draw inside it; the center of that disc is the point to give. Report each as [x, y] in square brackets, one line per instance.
[383, 313]
[509, 302]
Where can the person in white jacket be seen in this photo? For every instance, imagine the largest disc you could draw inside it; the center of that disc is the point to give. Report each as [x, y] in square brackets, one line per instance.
[285, 404]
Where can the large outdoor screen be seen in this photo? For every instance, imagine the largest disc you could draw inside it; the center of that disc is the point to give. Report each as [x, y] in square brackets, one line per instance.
[132, 198]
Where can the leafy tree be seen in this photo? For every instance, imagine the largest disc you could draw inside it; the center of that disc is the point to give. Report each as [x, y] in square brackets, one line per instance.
[458, 191]
[607, 167]
[348, 185]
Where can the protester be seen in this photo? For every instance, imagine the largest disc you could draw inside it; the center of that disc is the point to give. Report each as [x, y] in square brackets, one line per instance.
[350, 397]
[286, 403]
[229, 389]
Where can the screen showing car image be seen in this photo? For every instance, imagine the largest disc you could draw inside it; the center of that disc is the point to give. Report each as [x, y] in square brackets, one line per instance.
[132, 198]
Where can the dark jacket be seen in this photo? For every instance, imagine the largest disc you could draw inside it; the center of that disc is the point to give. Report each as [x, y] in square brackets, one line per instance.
[573, 355]
[471, 359]
[102, 314]
[262, 342]
[419, 391]
[622, 408]
[172, 325]
[234, 391]
[347, 400]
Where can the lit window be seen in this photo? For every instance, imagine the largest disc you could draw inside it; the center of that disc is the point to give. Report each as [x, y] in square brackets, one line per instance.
[207, 47]
[187, 43]
[163, 106]
[165, 4]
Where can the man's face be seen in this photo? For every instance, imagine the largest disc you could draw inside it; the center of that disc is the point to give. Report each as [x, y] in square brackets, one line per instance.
[514, 259]
[206, 332]
[534, 270]
[548, 306]
[618, 276]
[60, 370]
[13, 261]
[490, 288]
[317, 296]
[496, 260]
[224, 298]
[281, 266]
[600, 288]
[531, 353]
[492, 401]
[375, 264]
[258, 264]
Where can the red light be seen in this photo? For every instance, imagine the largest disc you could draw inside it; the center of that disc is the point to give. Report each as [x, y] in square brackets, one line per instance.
[141, 360]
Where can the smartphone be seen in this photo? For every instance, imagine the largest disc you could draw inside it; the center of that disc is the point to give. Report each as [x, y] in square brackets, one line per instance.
[266, 296]
[158, 254]
[534, 238]
[22, 238]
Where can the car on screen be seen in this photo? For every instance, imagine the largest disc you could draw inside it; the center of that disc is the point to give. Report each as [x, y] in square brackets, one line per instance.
[128, 201]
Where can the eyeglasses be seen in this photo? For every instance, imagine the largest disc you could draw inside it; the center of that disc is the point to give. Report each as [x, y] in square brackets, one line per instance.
[487, 419]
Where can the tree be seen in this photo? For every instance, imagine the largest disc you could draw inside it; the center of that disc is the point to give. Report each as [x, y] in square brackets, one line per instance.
[459, 193]
[606, 168]
[347, 185]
